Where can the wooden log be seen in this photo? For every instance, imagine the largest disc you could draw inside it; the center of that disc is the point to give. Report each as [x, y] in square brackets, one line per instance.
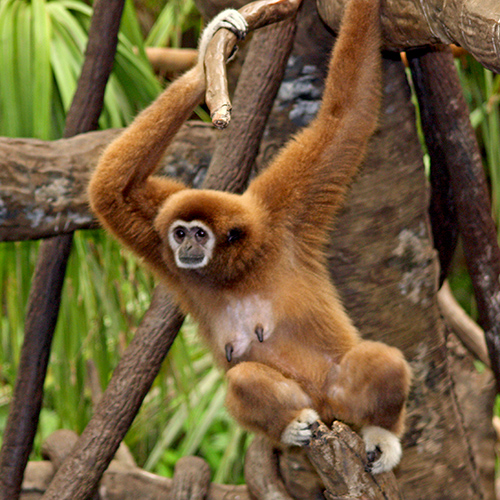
[471, 24]
[339, 457]
[122, 482]
[43, 183]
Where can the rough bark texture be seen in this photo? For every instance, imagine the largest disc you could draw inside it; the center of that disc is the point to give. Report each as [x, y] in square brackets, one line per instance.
[384, 264]
[43, 185]
[472, 24]
[122, 482]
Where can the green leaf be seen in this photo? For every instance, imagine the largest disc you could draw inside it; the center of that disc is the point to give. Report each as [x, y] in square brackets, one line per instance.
[42, 71]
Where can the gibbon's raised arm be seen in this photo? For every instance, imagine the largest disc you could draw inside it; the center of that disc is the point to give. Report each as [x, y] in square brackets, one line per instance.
[122, 192]
[305, 185]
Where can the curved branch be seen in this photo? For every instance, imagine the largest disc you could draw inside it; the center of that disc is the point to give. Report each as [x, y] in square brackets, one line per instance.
[462, 325]
[257, 14]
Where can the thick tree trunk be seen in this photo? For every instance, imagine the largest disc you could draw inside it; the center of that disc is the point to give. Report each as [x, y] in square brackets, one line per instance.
[383, 262]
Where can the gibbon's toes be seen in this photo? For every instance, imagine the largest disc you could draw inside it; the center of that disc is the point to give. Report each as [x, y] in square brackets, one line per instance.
[383, 449]
[299, 432]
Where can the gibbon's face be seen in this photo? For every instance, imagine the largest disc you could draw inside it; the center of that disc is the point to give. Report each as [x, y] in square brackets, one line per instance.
[192, 243]
[210, 233]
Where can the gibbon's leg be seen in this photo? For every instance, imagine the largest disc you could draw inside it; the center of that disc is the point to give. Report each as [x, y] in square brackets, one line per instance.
[370, 390]
[263, 400]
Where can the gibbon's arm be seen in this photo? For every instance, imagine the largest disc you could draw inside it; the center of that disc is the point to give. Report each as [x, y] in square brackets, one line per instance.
[305, 185]
[122, 193]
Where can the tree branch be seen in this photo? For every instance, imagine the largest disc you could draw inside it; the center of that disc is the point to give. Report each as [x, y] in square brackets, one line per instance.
[45, 293]
[43, 183]
[257, 14]
[471, 24]
[462, 325]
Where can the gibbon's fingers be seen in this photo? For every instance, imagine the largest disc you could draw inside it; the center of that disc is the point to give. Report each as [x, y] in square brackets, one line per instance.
[229, 19]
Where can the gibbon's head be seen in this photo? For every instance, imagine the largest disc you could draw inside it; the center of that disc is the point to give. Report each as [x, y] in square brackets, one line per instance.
[210, 233]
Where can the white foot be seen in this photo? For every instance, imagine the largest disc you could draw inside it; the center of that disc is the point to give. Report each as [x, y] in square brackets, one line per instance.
[387, 443]
[298, 432]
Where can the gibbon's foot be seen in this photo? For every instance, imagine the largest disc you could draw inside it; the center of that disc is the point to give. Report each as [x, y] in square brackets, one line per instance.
[230, 19]
[298, 432]
[383, 449]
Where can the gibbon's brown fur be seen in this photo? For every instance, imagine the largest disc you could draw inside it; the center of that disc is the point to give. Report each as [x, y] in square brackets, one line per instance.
[262, 294]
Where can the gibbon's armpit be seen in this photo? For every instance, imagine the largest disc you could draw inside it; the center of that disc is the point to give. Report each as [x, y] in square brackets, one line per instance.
[251, 268]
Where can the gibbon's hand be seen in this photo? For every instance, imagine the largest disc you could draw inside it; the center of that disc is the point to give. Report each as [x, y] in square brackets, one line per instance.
[229, 19]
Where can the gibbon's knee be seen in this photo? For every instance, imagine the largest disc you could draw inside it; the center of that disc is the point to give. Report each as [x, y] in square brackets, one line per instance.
[263, 400]
[372, 386]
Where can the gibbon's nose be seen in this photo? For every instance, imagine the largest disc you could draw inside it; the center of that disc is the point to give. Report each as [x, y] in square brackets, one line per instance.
[229, 352]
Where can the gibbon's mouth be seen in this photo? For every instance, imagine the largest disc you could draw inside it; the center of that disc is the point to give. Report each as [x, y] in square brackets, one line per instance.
[192, 260]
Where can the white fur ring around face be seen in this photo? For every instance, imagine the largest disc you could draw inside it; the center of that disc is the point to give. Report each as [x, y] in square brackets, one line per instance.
[298, 432]
[388, 444]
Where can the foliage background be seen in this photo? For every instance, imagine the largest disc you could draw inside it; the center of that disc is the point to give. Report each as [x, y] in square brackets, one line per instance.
[42, 43]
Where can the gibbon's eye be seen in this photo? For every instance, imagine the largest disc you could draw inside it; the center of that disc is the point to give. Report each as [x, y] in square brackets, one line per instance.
[201, 236]
[179, 234]
[234, 235]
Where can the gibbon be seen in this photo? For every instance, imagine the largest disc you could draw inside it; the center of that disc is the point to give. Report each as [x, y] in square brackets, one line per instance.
[251, 268]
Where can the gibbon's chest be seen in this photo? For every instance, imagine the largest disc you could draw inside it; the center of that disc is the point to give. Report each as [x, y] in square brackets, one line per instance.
[238, 322]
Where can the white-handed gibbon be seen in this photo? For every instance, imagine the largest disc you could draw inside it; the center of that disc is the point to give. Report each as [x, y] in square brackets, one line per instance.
[251, 268]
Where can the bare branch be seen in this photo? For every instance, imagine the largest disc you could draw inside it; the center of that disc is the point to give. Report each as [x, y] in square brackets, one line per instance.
[43, 183]
[462, 325]
[257, 15]
[471, 24]
[339, 457]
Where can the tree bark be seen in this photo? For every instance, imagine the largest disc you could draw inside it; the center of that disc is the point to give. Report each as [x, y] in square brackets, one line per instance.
[384, 264]
[471, 24]
[43, 185]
